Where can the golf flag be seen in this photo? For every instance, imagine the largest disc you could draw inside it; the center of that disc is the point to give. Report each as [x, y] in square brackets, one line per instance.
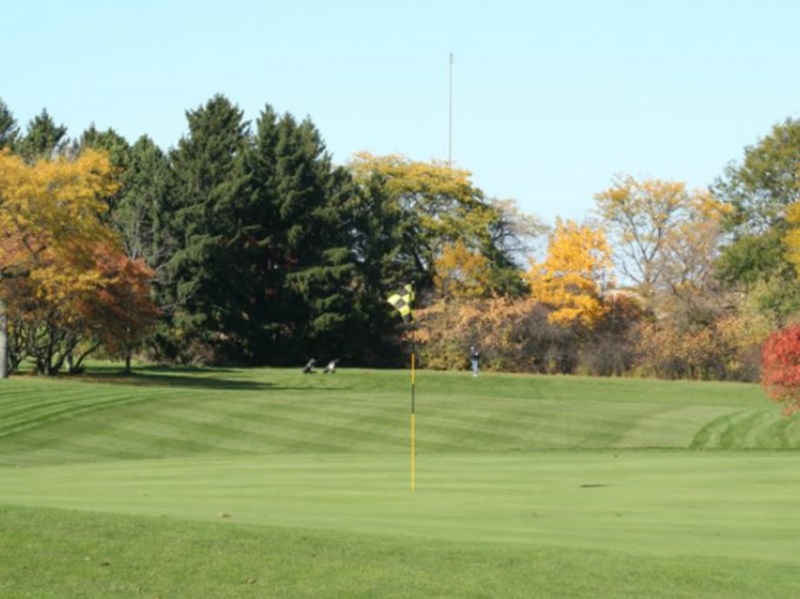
[402, 300]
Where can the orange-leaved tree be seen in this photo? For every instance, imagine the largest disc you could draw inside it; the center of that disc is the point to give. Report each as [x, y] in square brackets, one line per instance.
[569, 279]
[780, 367]
[115, 313]
[50, 226]
[513, 335]
[121, 311]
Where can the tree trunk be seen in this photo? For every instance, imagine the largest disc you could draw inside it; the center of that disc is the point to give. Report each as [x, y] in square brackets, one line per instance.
[3, 342]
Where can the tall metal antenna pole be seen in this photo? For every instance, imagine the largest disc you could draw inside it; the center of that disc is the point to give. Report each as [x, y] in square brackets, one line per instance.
[450, 116]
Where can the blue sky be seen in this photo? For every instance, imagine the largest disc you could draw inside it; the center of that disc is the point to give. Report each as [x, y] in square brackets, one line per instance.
[551, 99]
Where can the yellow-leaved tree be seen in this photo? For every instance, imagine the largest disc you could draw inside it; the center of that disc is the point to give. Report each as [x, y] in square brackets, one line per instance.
[50, 228]
[446, 206]
[423, 213]
[569, 279]
[792, 237]
[460, 272]
[641, 216]
[666, 236]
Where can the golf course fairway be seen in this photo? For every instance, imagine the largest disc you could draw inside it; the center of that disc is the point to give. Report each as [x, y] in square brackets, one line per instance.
[261, 483]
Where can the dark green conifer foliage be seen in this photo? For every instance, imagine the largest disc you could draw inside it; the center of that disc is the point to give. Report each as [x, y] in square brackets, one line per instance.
[8, 127]
[206, 226]
[43, 138]
[118, 150]
[143, 212]
[305, 239]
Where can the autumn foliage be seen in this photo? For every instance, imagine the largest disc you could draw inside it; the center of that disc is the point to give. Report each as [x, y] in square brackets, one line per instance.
[569, 278]
[780, 367]
[791, 239]
[263, 252]
[121, 310]
[513, 336]
[66, 285]
[50, 217]
[460, 272]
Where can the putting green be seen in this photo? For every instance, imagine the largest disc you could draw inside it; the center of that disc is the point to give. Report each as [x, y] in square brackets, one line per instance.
[724, 504]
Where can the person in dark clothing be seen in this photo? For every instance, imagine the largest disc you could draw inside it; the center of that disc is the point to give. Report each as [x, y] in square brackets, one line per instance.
[474, 356]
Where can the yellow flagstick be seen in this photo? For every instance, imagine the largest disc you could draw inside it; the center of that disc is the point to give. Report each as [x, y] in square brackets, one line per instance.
[413, 452]
[402, 300]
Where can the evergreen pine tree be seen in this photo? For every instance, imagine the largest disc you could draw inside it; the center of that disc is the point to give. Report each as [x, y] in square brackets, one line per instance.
[210, 197]
[43, 138]
[306, 238]
[8, 127]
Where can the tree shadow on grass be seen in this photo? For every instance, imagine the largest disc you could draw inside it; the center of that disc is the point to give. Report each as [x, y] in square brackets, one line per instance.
[184, 377]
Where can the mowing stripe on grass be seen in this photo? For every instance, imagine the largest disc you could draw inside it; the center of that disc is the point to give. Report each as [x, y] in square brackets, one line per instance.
[657, 503]
[268, 411]
[526, 485]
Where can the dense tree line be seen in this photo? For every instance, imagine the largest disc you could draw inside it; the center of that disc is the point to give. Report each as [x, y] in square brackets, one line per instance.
[245, 244]
[265, 252]
[701, 279]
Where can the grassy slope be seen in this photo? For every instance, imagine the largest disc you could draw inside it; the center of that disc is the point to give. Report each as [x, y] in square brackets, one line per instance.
[98, 556]
[273, 484]
[164, 414]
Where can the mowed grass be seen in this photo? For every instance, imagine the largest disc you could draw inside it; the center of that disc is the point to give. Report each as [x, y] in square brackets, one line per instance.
[268, 483]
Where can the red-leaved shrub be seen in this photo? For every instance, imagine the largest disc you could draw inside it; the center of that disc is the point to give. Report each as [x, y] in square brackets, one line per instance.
[780, 367]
